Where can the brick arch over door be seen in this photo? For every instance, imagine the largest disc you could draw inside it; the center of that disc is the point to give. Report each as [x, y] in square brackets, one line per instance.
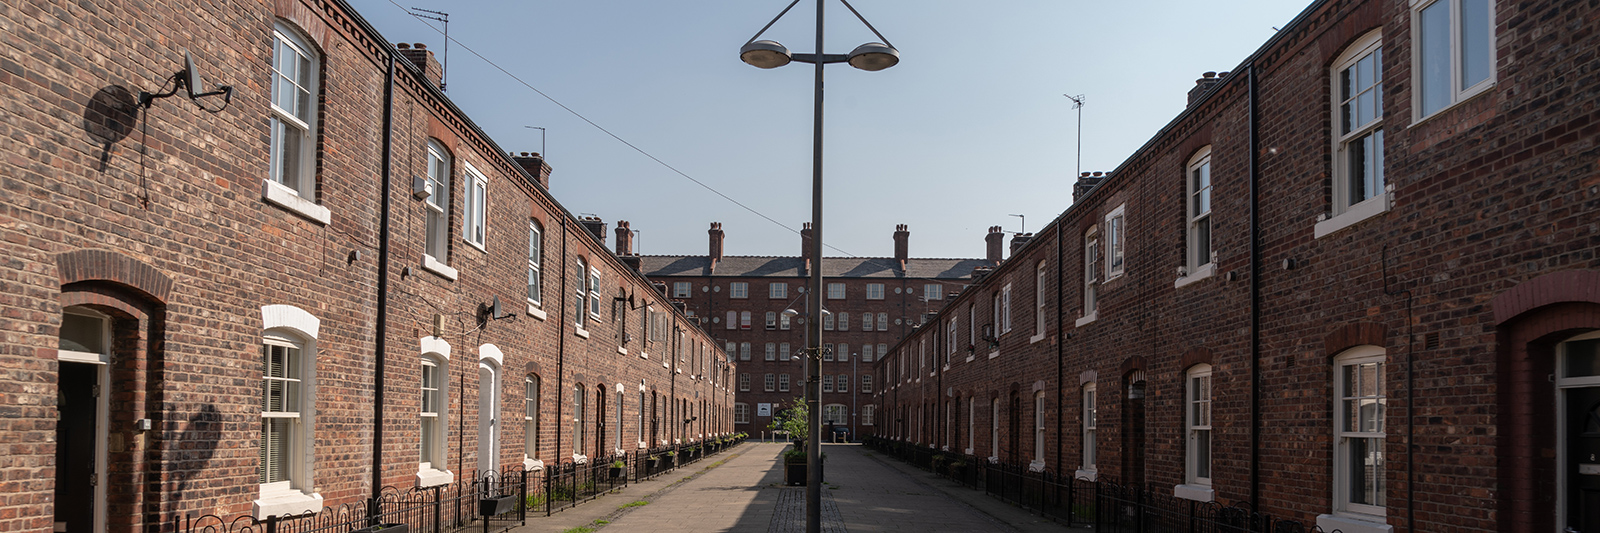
[134, 294]
[1530, 320]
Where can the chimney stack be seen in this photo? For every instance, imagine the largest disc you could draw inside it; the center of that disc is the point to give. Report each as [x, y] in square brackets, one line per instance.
[716, 241]
[1018, 240]
[1203, 85]
[595, 226]
[1086, 183]
[423, 60]
[995, 238]
[534, 164]
[624, 238]
[902, 246]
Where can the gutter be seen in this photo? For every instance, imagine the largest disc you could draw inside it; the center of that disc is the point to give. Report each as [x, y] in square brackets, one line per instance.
[1255, 292]
[380, 344]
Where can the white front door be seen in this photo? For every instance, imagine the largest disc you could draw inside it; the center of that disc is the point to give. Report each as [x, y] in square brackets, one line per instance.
[488, 418]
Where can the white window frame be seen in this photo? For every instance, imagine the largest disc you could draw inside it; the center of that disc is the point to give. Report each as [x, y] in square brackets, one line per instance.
[475, 222]
[291, 327]
[836, 414]
[682, 289]
[306, 78]
[1198, 393]
[1091, 275]
[744, 320]
[1197, 205]
[1005, 309]
[770, 383]
[744, 351]
[1346, 209]
[883, 351]
[436, 245]
[1038, 431]
[836, 291]
[771, 352]
[732, 321]
[1089, 410]
[866, 383]
[1459, 90]
[843, 383]
[578, 406]
[535, 270]
[843, 323]
[580, 314]
[883, 321]
[932, 291]
[777, 291]
[1116, 242]
[594, 294]
[867, 412]
[783, 322]
[950, 335]
[866, 321]
[772, 320]
[783, 351]
[827, 383]
[1343, 437]
[972, 417]
[874, 291]
[783, 382]
[741, 413]
[739, 290]
[432, 440]
[994, 429]
[744, 382]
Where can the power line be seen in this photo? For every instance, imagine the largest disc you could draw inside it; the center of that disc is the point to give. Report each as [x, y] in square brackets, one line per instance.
[613, 135]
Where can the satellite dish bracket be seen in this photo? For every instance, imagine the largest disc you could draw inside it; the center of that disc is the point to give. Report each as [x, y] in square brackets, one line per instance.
[189, 80]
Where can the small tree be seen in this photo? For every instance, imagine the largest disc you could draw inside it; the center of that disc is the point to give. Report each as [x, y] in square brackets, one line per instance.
[795, 420]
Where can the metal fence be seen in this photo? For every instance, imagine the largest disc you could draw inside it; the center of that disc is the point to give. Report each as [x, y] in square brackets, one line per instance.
[495, 501]
[1105, 505]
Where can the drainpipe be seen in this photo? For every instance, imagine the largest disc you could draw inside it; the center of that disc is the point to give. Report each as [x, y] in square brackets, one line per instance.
[380, 344]
[1255, 296]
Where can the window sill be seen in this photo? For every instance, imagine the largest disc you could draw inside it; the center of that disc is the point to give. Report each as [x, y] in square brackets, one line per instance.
[968, 451]
[1372, 207]
[1203, 272]
[622, 350]
[532, 465]
[1037, 465]
[444, 271]
[287, 198]
[580, 458]
[994, 354]
[535, 312]
[285, 502]
[1199, 493]
[477, 245]
[971, 357]
[1330, 522]
[1087, 319]
[994, 460]
[581, 332]
[1036, 338]
[430, 477]
[1089, 475]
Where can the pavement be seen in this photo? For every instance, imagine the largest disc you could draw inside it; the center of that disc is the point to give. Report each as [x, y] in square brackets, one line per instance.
[741, 490]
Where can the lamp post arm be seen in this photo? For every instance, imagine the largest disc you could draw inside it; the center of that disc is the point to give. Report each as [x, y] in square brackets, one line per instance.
[825, 58]
[775, 21]
[864, 21]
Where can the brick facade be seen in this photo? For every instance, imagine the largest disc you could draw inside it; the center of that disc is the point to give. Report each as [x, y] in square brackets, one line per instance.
[1481, 265]
[156, 221]
[899, 307]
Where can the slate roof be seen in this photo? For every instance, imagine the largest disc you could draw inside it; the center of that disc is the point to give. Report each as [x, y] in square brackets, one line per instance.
[666, 266]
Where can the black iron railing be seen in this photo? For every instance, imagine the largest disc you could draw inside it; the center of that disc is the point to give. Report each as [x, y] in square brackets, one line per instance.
[1105, 505]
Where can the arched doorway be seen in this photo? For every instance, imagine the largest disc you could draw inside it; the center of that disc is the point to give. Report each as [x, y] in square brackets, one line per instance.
[1133, 430]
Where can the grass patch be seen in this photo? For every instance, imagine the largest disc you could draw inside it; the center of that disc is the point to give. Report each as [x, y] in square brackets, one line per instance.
[579, 529]
[600, 522]
[639, 503]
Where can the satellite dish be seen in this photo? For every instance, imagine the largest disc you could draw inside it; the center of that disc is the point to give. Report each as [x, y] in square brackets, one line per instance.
[191, 76]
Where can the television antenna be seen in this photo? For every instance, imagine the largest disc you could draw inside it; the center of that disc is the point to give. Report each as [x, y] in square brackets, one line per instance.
[1077, 103]
[444, 63]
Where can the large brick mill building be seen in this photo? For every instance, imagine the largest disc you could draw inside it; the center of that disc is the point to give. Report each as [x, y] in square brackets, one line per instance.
[871, 303]
[1354, 283]
[326, 283]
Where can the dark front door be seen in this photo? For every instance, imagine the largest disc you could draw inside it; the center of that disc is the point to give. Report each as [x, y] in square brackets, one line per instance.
[1012, 452]
[1133, 435]
[75, 446]
[1583, 458]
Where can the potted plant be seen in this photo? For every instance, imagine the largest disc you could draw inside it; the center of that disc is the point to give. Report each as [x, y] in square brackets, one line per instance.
[616, 468]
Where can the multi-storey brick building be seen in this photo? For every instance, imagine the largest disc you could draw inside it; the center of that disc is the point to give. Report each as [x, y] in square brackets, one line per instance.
[326, 282]
[1354, 283]
[871, 303]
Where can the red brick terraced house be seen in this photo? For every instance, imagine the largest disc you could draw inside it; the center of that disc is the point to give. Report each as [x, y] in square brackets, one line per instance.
[1354, 284]
[871, 303]
[325, 282]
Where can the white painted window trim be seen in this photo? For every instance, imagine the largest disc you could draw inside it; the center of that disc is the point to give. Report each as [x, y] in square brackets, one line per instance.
[1116, 242]
[293, 325]
[478, 213]
[1199, 493]
[1369, 208]
[1191, 253]
[1086, 318]
[277, 194]
[1198, 274]
[1191, 444]
[306, 189]
[433, 265]
[1342, 507]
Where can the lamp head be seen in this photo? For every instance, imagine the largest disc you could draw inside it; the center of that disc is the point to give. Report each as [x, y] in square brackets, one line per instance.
[873, 57]
[764, 54]
[790, 313]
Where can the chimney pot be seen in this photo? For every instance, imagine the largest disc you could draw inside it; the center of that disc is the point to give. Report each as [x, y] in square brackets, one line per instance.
[716, 241]
[402, 46]
[624, 238]
[902, 246]
[1209, 75]
[421, 58]
[995, 240]
[420, 46]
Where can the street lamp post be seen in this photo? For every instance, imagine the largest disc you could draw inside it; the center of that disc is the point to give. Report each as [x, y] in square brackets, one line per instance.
[869, 57]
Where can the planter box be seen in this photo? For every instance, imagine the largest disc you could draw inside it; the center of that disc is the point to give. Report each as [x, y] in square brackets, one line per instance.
[385, 528]
[616, 472]
[495, 506]
[794, 474]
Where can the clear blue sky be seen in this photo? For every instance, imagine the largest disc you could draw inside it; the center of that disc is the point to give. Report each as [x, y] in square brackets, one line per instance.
[968, 129]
